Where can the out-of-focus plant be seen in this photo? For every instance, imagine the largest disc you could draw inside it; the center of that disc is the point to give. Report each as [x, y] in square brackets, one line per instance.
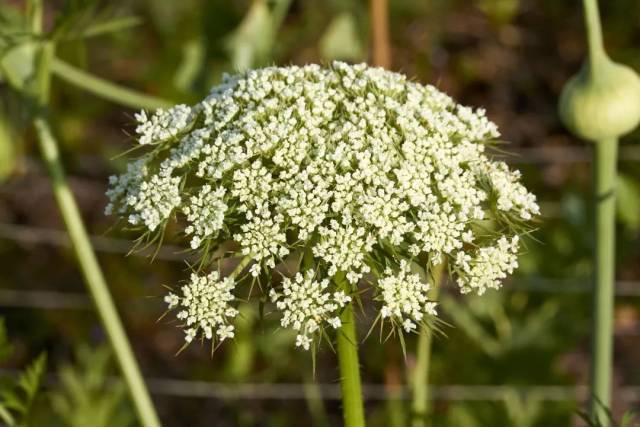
[253, 42]
[18, 396]
[88, 395]
[522, 410]
[341, 39]
[329, 178]
[486, 322]
[419, 376]
[628, 202]
[600, 104]
[597, 420]
[27, 62]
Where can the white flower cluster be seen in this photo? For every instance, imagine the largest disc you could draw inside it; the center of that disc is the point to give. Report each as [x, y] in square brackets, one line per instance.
[511, 194]
[352, 163]
[205, 214]
[205, 307]
[488, 266]
[163, 124]
[306, 304]
[404, 297]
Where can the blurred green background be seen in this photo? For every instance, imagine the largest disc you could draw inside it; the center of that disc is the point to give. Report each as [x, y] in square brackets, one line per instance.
[517, 357]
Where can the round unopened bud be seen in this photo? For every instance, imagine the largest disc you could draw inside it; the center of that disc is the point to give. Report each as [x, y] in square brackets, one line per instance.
[602, 101]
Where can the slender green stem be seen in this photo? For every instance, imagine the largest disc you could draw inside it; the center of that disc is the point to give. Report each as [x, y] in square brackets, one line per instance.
[93, 276]
[350, 383]
[104, 88]
[420, 378]
[87, 261]
[605, 162]
[241, 265]
[278, 13]
[594, 32]
[35, 13]
[315, 404]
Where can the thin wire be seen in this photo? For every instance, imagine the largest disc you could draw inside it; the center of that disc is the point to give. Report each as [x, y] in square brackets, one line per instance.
[37, 235]
[54, 300]
[372, 392]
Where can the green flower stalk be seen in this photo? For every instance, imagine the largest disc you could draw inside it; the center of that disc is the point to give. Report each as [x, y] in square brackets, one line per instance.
[353, 175]
[420, 403]
[600, 104]
[36, 90]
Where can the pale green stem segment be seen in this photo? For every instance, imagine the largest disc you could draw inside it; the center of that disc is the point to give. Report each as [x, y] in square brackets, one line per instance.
[93, 276]
[350, 383]
[605, 166]
[605, 162]
[105, 89]
[241, 266]
[87, 261]
[420, 379]
[594, 32]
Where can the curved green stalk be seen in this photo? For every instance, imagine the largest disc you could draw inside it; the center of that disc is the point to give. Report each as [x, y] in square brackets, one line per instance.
[350, 383]
[594, 31]
[105, 89]
[70, 213]
[420, 378]
[93, 276]
[605, 159]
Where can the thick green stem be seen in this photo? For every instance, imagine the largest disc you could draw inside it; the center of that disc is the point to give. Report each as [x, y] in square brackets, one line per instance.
[594, 32]
[93, 276]
[420, 378]
[350, 383]
[104, 88]
[605, 162]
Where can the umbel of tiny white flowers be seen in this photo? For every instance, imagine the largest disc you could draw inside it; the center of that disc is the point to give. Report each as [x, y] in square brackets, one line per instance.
[361, 170]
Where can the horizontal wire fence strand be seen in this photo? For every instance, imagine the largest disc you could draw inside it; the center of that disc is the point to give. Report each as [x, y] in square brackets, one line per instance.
[562, 154]
[54, 237]
[182, 388]
[80, 301]
[373, 392]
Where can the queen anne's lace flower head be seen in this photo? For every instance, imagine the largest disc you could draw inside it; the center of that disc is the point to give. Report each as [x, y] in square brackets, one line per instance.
[359, 168]
[307, 305]
[205, 306]
[404, 297]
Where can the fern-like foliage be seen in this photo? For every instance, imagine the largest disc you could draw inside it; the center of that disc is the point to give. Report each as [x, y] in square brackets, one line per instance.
[87, 394]
[17, 398]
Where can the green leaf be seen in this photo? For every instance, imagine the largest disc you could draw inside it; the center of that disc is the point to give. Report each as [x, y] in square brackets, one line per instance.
[17, 400]
[193, 57]
[627, 419]
[628, 202]
[111, 25]
[464, 319]
[8, 155]
[250, 44]
[87, 395]
[341, 39]
[18, 64]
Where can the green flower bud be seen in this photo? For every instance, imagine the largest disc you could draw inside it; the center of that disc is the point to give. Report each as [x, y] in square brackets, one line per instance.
[602, 101]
